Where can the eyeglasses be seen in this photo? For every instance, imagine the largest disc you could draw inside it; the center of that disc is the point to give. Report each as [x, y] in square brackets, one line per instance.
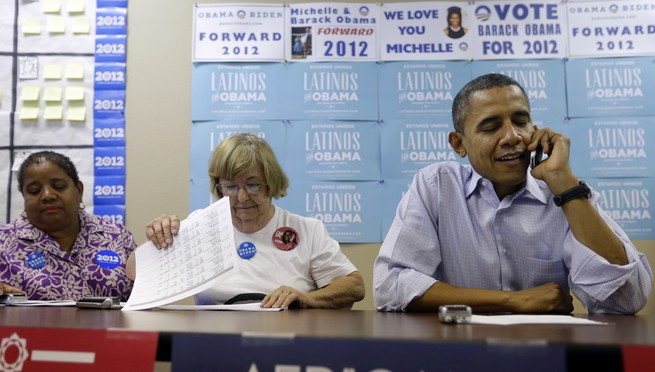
[230, 189]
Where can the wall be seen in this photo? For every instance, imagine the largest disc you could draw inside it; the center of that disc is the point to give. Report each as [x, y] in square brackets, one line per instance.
[158, 114]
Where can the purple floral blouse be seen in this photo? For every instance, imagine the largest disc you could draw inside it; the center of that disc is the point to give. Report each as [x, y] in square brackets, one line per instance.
[31, 260]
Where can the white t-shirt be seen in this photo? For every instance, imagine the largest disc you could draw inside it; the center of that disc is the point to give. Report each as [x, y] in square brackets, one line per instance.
[315, 262]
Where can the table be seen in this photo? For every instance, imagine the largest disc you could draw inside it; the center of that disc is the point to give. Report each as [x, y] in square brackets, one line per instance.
[584, 346]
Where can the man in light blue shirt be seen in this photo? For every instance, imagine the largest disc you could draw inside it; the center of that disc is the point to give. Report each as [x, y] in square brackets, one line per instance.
[500, 237]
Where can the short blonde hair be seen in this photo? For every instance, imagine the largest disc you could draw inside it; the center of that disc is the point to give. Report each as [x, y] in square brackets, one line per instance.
[238, 153]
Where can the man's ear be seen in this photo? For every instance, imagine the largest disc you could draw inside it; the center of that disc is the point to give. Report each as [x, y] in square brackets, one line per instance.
[456, 140]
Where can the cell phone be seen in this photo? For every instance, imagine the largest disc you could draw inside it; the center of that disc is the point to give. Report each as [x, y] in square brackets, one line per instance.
[455, 314]
[12, 298]
[536, 157]
[105, 303]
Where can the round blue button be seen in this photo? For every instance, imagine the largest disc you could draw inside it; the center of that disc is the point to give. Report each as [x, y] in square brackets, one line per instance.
[246, 250]
[108, 259]
[36, 260]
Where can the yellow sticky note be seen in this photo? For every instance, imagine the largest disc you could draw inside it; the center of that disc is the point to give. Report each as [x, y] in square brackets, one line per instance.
[81, 25]
[76, 113]
[29, 113]
[52, 71]
[56, 25]
[75, 6]
[53, 112]
[52, 93]
[30, 93]
[75, 71]
[51, 6]
[31, 26]
[75, 93]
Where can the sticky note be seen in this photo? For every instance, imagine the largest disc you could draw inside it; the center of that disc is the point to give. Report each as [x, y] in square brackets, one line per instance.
[75, 71]
[53, 112]
[52, 93]
[52, 71]
[30, 93]
[29, 112]
[75, 93]
[51, 6]
[76, 113]
[56, 25]
[75, 6]
[31, 26]
[81, 25]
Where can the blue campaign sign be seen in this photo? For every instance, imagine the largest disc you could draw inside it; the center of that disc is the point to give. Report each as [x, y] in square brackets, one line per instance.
[611, 87]
[630, 202]
[111, 48]
[114, 213]
[334, 150]
[336, 91]
[411, 145]
[420, 89]
[109, 161]
[109, 104]
[613, 147]
[205, 136]
[109, 76]
[111, 4]
[109, 132]
[554, 122]
[392, 191]
[109, 190]
[250, 91]
[351, 211]
[111, 21]
[542, 81]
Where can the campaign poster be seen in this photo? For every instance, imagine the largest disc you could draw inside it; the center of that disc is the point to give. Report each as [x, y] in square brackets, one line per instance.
[393, 191]
[629, 201]
[527, 29]
[331, 150]
[612, 147]
[420, 89]
[331, 90]
[237, 91]
[611, 28]
[419, 31]
[541, 79]
[411, 145]
[332, 32]
[205, 136]
[351, 211]
[238, 32]
[611, 87]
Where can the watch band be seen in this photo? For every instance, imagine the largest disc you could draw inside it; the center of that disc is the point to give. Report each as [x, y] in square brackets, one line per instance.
[575, 192]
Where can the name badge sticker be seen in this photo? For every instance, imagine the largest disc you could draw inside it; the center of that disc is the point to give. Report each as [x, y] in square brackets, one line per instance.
[36, 260]
[108, 259]
[246, 250]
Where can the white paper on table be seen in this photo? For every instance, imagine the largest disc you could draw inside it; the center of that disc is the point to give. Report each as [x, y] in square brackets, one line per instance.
[531, 319]
[202, 254]
[236, 307]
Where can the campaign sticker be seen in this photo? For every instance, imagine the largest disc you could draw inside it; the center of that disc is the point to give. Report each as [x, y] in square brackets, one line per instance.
[246, 250]
[285, 238]
[108, 259]
[36, 260]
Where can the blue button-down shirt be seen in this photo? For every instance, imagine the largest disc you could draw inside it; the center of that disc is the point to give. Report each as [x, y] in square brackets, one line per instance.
[451, 227]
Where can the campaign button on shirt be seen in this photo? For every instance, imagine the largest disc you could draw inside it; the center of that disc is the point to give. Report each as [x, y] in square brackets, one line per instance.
[285, 238]
[108, 259]
[36, 260]
[246, 250]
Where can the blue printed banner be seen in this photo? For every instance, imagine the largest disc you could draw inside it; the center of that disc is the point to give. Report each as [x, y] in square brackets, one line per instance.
[611, 29]
[109, 161]
[420, 89]
[205, 136]
[111, 21]
[109, 76]
[238, 91]
[412, 145]
[334, 150]
[111, 3]
[109, 190]
[613, 147]
[238, 32]
[332, 32]
[392, 192]
[351, 211]
[109, 132]
[541, 79]
[527, 29]
[611, 87]
[114, 213]
[109, 103]
[111, 48]
[336, 91]
[630, 203]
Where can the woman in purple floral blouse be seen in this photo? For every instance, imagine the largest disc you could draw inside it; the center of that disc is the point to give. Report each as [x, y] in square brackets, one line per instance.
[54, 250]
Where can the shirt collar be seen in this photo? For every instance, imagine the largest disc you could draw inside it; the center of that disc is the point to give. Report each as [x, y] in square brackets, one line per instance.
[531, 186]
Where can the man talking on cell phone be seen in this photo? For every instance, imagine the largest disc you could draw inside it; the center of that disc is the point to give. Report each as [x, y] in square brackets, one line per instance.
[499, 236]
